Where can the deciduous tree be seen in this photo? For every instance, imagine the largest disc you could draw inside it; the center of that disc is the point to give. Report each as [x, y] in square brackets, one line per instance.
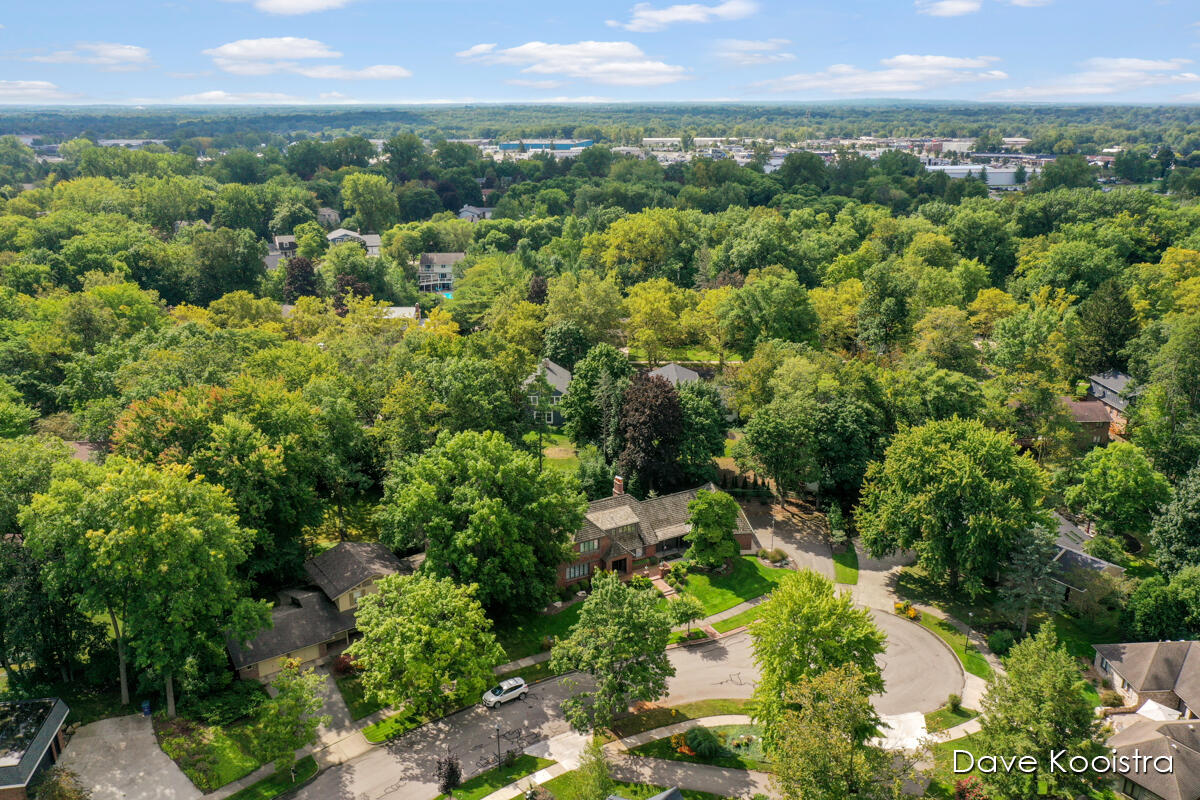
[288, 720]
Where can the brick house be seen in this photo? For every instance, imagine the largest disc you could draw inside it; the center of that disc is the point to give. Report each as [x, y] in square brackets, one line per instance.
[1092, 417]
[31, 741]
[316, 622]
[1166, 672]
[619, 532]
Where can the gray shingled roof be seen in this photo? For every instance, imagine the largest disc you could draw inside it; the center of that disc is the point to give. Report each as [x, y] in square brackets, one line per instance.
[27, 727]
[658, 518]
[1086, 411]
[675, 374]
[302, 618]
[1158, 667]
[344, 566]
[441, 259]
[557, 376]
[1180, 740]
[1109, 388]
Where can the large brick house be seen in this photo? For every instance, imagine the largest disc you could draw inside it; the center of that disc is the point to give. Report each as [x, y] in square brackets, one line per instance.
[316, 622]
[31, 740]
[1166, 672]
[620, 533]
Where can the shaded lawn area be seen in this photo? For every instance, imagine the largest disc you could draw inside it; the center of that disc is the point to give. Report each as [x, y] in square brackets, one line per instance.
[352, 692]
[88, 703]
[485, 783]
[845, 566]
[668, 715]
[536, 672]
[747, 757]
[685, 636]
[944, 718]
[563, 788]
[393, 726]
[523, 636]
[738, 620]
[1078, 635]
[916, 585]
[275, 785]
[972, 660]
[210, 755]
[747, 580]
[942, 784]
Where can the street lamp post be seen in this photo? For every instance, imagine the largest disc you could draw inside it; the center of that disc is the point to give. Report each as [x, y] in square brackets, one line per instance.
[967, 640]
[497, 744]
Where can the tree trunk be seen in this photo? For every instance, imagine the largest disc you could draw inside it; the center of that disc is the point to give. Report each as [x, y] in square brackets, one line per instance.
[121, 665]
[170, 696]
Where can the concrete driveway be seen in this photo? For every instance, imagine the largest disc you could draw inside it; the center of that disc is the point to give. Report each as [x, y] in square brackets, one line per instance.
[120, 759]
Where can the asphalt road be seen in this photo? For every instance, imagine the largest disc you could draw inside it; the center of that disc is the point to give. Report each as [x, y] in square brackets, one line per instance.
[918, 669]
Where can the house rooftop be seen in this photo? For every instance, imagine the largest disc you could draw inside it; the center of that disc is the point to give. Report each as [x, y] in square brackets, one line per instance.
[674, 374]
[27, 727]
[301, 618]
[558, 377]
[1179, 740]
[658, 519]
[348, 564]
[1110, 387]
[1158, 667]
[1084, 412]
[441, 259]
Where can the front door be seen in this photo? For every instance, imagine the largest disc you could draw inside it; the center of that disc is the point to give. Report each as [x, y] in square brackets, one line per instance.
[621, 565]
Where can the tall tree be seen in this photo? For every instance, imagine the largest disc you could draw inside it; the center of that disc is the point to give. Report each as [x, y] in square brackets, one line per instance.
[1028, 584]
[1107, 325]
[772, 304]
[486, 516]
[585, 420]
[805, 629]
[1119, 489]
[288, 720]
[884, 314]
[1037, 706]
[155, 549]
[713, 517]
[565, 344]
[620, 641]
[300, 279]
[957, 493]
[652, 432]
[372, 200]
[1166, 418]
[704, 429]
[1175, 533]
[426, 643]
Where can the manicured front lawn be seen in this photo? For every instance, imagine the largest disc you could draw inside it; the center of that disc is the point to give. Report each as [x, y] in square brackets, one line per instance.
[748, 756]
[738, 620]
[275, 785]
[944, 718]
[942, 784]
[485, 783]
[669, 715]
[525, 636]
[563, 788]
[684, 636]
[747, 580]
[845, 566]
[352, 692]
[210, 755]
[972, 660]
[393, 726]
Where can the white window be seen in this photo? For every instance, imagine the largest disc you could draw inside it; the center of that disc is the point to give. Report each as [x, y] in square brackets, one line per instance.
[589, 546]
[577, 571]
[533, 399]
[548, 416]
[554, 400]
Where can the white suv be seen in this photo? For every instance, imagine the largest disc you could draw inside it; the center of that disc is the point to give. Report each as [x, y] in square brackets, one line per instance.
[510, 689]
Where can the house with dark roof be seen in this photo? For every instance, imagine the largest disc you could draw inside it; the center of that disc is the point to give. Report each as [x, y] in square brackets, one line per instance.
[31, 740]
[559, 378]
[1179, 741]
[1112, 389]
[675, 375]
[1092, 419]
[1166, 672]
[1071, 560]
[618, 532]
[314, 623]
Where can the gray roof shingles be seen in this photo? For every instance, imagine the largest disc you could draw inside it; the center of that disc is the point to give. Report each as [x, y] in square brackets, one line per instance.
[302, 619]
[1180, 740]
[27, 727]
[348, 564]
[658, 518]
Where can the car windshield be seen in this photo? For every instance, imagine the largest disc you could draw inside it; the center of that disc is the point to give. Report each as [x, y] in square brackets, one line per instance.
[499, 690]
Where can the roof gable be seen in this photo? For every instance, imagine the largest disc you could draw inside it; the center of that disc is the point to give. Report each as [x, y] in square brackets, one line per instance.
[348, 564]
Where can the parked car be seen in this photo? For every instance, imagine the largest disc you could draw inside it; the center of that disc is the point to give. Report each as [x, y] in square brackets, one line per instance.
[510, 689]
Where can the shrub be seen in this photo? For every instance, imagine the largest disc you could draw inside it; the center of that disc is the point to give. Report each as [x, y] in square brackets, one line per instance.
[762, 553]
[702, 740]
[640, 582]
[902, 606]
[1111, 699]
[969, 788]
[1001, 641]
[954, 703]
[238, 700]
[776, 555]
[344, 665]
[510, 757]
[449, 774]
[913, 613]
[547, 643]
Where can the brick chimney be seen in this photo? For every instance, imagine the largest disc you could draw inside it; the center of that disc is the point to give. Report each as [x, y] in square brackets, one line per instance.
[618, 486]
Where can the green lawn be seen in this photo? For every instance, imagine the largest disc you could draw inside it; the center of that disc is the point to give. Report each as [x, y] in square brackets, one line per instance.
[531, 674]
[275, 785]
[942, 784]
[680, 636]
[211, 756]
[395, 725]
[563, 788]
[669, 715]
[524, 636]
[747, 580]
[1078, 635]
[1091, 694]
[352, 692]
[738, 620]
[972, 660]
[747, 757]
[944, 718]
[485, 783]
[845, 566]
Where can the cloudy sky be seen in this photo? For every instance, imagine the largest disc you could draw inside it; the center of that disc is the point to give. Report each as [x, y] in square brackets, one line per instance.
[394, 51]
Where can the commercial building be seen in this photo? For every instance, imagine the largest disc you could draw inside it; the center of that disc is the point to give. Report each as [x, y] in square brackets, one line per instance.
[531, 145]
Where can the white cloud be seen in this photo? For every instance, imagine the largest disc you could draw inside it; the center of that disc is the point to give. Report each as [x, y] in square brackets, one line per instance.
[222, 97]
[548, 84]
[1030, 3]
[108, 56]
[645, 18]
[901, 74]
[748, 52]
[31, 92]
[957, 8]
[271, 56]
[613, 63]
[1107, 76]
[293, 7]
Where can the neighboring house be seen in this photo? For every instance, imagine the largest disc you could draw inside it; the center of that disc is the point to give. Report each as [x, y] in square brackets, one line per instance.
[1179, 741]
[559, 379]
[1070, 557]
[1111, 389]
[31, 741]
[285, 244]
[620, 531]
[1093, 420]
[328, 217]
[435, 271]
[371, 242]
[311, 625]
[675, 375]
[475, 213]
[1166, 672]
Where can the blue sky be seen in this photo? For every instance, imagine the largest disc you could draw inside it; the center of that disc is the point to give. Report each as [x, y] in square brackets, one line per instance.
[413, 51]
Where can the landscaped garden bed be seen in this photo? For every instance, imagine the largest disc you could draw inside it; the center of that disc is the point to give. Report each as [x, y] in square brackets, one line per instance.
[210, 755]
[730, 746]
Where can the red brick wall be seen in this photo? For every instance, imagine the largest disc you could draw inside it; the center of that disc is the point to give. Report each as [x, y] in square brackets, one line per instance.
[12, 794]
